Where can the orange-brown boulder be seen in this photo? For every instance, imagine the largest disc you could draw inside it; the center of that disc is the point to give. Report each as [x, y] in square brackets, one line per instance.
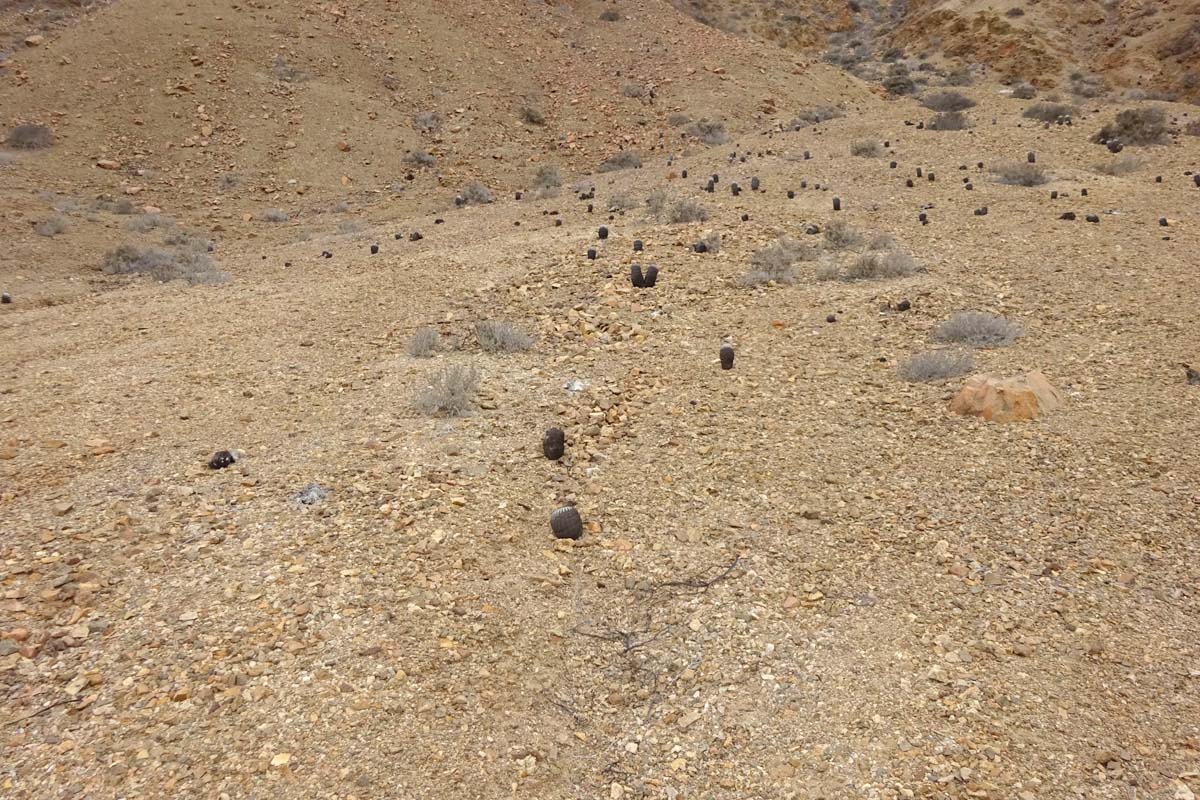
[998, 399]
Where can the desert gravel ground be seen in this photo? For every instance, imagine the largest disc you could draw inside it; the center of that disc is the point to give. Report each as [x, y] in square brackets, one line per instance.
[801, 578]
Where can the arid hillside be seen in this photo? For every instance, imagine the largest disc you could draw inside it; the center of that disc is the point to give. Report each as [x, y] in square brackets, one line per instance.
[1148, 46]
[445, 399]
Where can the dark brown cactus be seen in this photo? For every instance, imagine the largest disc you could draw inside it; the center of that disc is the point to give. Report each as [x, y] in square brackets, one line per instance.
[566, 523]
[554, 444]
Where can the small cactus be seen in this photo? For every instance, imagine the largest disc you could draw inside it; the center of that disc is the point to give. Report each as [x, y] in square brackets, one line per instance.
[754, 184]
[636, 277]
[791, 195]
[566, 523]
[554, 444]
[1031, 157]
[222, 459]
[603, 232]
[837, 204]
[374, 249]
[591, 254]
[727, 357]
[637, 246]
[651, 276]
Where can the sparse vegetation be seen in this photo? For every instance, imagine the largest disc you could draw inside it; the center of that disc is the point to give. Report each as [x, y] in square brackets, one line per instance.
[978, 329]
[712, 242]
[881, 265]
[815, 116]
[950, 121]
[947, 101]
[633, 90]
[1137, 126]
[427, 121]
[840, 235]
[677, 119]
[1192, 128]
[898, 81]
[28, 136]
[51, 226]
[960, 77]
[420, 158]
[149, 222]
[122, 206]
[622, 201]
[450, 391]
[610, 15]
[866, 148]
[1024, 91]
[1021, 174]
[287, 73]
[475, 193]
[626, 159]
[273, 215]
[186, 264]
[547, 176]
[711, 132]
[7, 160]
[423, 343]
[1121, 165]
[501, 337]
[228, 182]
[180, 237]
[1050, 112]
[532, 114]
[686, 211]
[882, 241]
[1088, 86]
[936, 365]
[657, 202]
[776, 262]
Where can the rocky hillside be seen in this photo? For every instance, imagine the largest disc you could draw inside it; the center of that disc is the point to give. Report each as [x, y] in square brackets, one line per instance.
[1147, 45]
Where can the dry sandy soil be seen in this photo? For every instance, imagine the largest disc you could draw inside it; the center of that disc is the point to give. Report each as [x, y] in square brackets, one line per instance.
[801, 578]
